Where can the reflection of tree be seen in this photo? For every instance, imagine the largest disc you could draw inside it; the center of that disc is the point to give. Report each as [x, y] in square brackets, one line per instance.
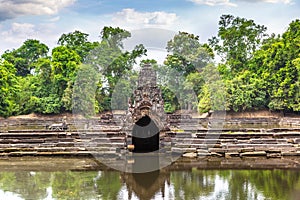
[146, 185]
[109, 185]
[239, 186]
[192, 184]
[276, 184]
[74, 185]
[27, 184]
[272, 184]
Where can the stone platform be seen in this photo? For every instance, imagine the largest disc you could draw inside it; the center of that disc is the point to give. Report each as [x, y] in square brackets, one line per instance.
[112, 141]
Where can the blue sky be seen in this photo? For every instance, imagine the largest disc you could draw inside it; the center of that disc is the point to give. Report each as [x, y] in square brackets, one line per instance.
[48, 20]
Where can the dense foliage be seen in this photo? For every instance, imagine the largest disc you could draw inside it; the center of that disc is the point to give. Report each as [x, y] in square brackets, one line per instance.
[255, 71]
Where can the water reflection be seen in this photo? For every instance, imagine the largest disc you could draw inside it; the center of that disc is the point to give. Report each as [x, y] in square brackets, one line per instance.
[163, 184]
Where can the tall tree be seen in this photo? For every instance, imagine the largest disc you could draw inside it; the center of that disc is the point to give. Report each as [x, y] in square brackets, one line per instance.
[113, 61]
[24, 57]
[8, 89]
[84, 91]
[186, 54]
[65, 63]
[237, 40]
[78, 42]
[281, 69]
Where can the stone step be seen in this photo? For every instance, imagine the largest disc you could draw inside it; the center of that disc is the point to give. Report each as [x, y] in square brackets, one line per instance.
[183, 135]
[59, 149]
[37, 135]
[21, 140]
[104, 145]
[65, 144]
[63, 153]
[195, 141]
[250, 135]
[117, 139]
[39, 149]
[197, 146]
[97, 140]
[254, 153]
[263, 141]
[58, 140]
[278, 146]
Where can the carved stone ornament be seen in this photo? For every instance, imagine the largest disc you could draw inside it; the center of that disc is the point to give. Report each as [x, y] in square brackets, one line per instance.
[147, 99]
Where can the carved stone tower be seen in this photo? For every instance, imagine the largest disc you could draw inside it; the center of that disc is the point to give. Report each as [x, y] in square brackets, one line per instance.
[145, 116]
[147, 98]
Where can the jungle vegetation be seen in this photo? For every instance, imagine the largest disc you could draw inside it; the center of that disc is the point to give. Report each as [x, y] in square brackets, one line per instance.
[241, 68]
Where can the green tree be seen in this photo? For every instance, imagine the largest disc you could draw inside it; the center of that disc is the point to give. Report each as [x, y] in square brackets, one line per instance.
[277, 64]
[124, 90]
[282, 67]
[187, 55]
[84, 91]
[112, 61]
[246, 92]
[213, 92]
[36, 88]
[8, 89]
[78, 42]
[24, 57]
[65, 63]
[237, 40]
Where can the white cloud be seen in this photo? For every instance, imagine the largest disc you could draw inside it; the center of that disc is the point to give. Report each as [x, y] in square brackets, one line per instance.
[14, 8]
[16, 35]
[154, 40]
[134, 19]
[54, 19]
[213, 2]
[19, 30]
[269, 1]
[229, 3]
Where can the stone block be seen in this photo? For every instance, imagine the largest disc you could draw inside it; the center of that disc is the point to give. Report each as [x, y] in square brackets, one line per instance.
[202, 154]
[182, 145]
[272, 150]
[263, 141]
[202, 151]
[189, 150]
[229, 141]
[290, 153]
[274, 155]
[199, 146]
[232, 154]
[190, 155]
[177, 150]
[218, 150]
[254, 153]
[247, 149]
[216, 154]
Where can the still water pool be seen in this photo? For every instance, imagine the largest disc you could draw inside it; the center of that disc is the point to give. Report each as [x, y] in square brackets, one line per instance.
[35, 182]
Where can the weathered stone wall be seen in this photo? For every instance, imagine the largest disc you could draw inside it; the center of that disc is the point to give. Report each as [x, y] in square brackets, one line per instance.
[26, 136]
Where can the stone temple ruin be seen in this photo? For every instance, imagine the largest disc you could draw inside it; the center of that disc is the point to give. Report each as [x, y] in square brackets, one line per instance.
[147, 128]
[145, 116]
[147, 97]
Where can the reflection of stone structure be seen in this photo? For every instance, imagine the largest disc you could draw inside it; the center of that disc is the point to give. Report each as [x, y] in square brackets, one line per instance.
[146, 185]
